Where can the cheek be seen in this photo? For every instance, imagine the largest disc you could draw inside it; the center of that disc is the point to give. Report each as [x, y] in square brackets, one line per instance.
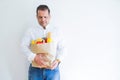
[48, 20]
[39, 20]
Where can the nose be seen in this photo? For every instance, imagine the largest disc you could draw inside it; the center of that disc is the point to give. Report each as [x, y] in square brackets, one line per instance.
[43, 19]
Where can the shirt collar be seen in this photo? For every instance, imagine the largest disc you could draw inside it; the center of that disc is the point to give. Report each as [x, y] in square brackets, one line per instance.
[39, 26]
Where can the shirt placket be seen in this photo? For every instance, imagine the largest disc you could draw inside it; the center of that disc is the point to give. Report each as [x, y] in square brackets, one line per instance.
[44, 33]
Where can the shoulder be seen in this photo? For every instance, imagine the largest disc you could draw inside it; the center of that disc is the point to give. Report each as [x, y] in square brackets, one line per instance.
[56, 28]
[57, 31]
[31, 29]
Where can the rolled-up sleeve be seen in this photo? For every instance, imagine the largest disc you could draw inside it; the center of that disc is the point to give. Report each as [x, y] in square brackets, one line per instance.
[25, 44]
[61, 47]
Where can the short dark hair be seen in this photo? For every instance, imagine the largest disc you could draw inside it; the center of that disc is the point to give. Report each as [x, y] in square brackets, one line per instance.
[43, 7]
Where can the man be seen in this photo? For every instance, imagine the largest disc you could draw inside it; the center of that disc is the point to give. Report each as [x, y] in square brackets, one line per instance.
[43, 73]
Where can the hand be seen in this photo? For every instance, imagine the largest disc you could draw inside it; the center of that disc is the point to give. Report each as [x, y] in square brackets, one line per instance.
[39, 60]
[54, 64]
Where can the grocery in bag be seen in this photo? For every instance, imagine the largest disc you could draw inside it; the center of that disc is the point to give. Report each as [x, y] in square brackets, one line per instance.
[46, 48]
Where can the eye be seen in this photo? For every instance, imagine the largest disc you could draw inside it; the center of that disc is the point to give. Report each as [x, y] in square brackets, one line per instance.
[45, 17]
[40, 17]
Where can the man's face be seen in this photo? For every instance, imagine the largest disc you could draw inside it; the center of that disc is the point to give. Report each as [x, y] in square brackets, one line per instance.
[43, 17]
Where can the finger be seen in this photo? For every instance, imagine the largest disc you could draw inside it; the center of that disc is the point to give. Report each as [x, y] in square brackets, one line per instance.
[54, 66]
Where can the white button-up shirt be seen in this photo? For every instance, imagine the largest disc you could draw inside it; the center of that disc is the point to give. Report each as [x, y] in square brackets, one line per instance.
[39, 32]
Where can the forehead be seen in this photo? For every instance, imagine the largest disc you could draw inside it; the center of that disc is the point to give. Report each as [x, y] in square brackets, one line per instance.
[43, 13]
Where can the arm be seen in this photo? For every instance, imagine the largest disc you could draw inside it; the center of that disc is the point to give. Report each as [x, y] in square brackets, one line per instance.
[60, 52]
[25, 45]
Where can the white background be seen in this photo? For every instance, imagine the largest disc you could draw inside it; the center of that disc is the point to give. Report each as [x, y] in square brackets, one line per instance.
[91, 29]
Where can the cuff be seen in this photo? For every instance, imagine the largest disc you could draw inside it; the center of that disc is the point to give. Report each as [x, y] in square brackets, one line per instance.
[58, 60]
[31, 57]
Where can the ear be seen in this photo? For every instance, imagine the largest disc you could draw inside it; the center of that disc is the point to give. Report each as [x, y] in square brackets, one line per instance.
[36, 16]
[49, 16]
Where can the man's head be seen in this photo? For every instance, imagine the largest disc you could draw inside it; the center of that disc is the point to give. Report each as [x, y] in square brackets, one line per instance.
[43, 15]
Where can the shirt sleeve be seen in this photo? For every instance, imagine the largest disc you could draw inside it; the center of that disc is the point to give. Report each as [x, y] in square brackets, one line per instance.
[25, 46]
[61, 47]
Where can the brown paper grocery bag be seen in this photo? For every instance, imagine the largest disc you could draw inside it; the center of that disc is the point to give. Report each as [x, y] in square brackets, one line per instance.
[47, 50]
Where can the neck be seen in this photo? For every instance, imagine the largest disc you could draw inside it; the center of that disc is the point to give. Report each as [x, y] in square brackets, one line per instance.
[44, 27]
